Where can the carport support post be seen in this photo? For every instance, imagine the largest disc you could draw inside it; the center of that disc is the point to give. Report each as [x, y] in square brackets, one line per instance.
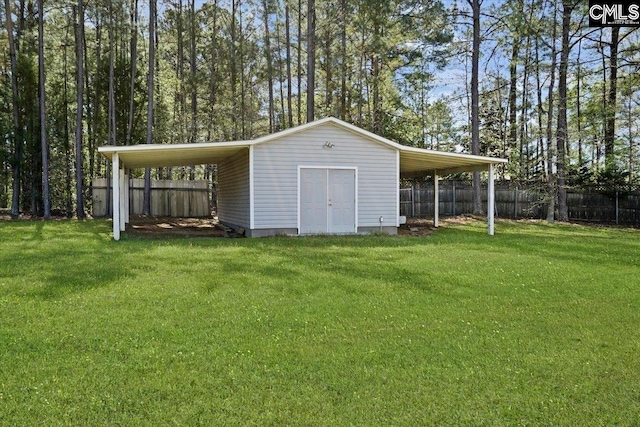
[116, 195]
[127, 190]
[491, 198]
[436, 199]
[123, 204]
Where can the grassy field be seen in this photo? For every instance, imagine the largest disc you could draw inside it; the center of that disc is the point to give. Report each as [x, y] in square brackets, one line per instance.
[539, 325]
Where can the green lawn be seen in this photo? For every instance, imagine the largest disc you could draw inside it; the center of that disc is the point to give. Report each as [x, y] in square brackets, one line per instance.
[538, 325]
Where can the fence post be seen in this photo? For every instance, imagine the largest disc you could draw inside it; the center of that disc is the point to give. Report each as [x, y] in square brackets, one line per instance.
[515, 202]
[436, 201]
[617, 208]
[413, 202]
[491, 200]
[109, 197]
[453, 198]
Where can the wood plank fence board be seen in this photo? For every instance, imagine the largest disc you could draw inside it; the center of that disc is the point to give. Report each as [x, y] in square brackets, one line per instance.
[174, 198]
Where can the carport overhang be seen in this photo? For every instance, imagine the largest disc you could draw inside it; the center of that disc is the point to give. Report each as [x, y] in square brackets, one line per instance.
[412, 162]
[166, 155]
[417, 162]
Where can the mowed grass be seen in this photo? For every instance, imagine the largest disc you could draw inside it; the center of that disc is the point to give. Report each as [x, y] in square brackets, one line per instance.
[538, 325]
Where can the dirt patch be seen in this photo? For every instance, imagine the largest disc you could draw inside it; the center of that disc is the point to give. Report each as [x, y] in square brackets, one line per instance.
[183, 227]
[209, 227]
[418, 227]
[422, 227]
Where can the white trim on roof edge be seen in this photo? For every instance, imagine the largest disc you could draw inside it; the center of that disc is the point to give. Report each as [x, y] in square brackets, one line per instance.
[153, 147]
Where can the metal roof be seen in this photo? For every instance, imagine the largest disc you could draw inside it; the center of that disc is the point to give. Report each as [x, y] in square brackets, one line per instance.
[413, 161]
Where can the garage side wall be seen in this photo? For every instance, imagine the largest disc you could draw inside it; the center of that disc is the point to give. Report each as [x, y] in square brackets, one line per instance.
[276, 175]
[233, 190]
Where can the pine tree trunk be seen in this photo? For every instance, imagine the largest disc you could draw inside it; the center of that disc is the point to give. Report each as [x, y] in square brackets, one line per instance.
[475, 97]
[280, 124]
[610, 107]
[156, 40]
[17, 133]
[311, 59]
[630, 121]
[288, 48]
[343, 54]
[234, 70]
[111, 119]
[146, 199]
[540, 153]
[578, 100]
[67, 136]
[513, 91]
[361, 72]
[89, 102]
[243, 112]
[267, 52]
[43, 114]
[299, 58]
[213, 88]
[194, 87]
[328, 74]
[80, 107]
[182, 100]
[561, 130]
[525, 168]
[551, 185]
[134, 63]
[212, 77]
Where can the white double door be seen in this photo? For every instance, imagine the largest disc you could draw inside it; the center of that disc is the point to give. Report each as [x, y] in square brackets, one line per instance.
[327, 200]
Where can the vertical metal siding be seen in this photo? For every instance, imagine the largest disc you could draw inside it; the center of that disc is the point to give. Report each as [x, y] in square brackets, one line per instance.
[276, 181]
[233, 189]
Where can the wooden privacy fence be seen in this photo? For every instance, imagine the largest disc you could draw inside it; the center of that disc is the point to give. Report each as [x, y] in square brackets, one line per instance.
[174, 198]
[513, 202]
